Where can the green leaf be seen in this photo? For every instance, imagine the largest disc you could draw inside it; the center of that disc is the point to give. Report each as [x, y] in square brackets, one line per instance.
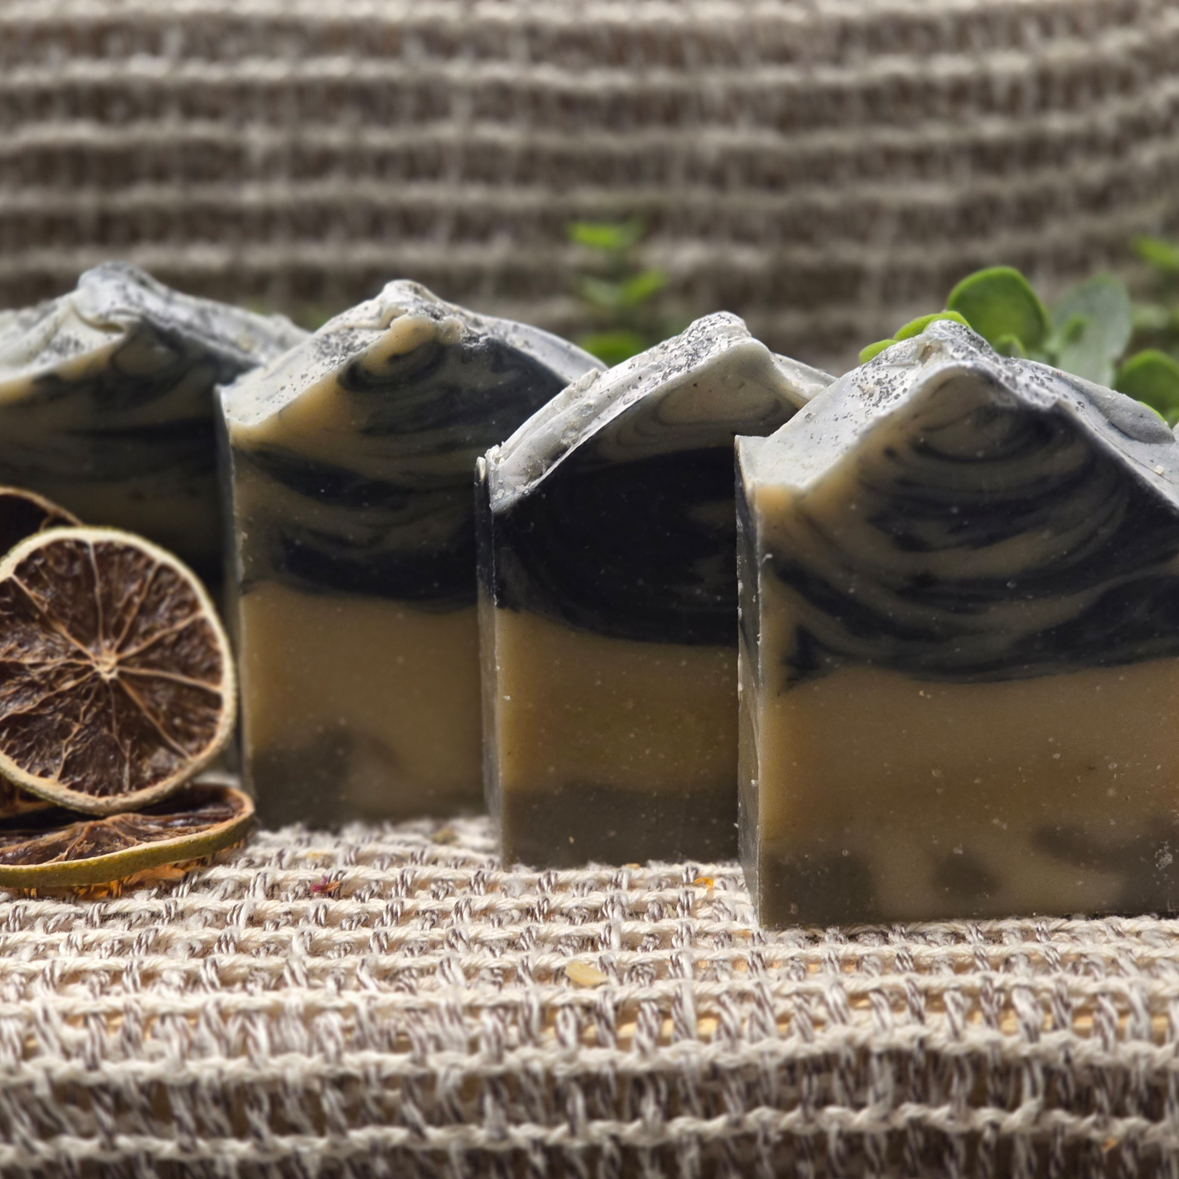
[1157, 251]
[1010, 346]
[866, 354]
[600, 293]
[612, 237]
[612, 347]
[1152, 317]
[916, 326]
[643, 286]
[1152, 377]
[1000, 302]
[1092, 325]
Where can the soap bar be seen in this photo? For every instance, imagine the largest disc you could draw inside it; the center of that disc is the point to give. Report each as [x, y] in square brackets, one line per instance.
[106, 404]
[960, 645]
[350, 462]
[608, 603]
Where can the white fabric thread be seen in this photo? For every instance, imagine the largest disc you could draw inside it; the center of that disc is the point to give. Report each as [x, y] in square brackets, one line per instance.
[390, 998]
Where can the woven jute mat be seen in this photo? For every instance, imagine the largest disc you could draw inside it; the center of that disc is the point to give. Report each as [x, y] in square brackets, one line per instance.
[388, 1000]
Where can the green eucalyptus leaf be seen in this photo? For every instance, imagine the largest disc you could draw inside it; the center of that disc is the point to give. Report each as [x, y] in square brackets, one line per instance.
[1152, 377]
[614, 237]
[1157, 252]
[601, 293]
[642, 287]
[998, 303]
[916, 326]
[866, 354]
[1011, 346]
[1151, 317]
[1092, 325]
[612, 347]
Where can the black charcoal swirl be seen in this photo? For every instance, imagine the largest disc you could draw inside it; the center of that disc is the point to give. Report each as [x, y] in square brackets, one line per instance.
[977, 532]
[106, 402]
[613, 509]
[353, 459]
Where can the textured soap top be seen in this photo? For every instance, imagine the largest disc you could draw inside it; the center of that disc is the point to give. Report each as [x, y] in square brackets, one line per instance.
[365, 438]
[385, 337]
[109, 302]
[950, 513]
[612, 506]
[947, 354]
[712, 378]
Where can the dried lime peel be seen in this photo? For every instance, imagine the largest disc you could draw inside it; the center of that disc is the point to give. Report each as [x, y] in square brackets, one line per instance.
[118, 682]
[55, 847]
[24, 513]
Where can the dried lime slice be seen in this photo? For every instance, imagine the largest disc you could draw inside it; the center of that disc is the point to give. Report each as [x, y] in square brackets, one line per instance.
[116, 681]
[14, 801]
[55, 847]
[24, 513]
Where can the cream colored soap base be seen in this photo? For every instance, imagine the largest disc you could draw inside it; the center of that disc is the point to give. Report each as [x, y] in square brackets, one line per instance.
[640, 736]
[960, 646]
[1049, 795]
[373, 703]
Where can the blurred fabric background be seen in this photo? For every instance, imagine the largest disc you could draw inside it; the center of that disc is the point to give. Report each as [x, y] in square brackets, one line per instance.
[824, 168]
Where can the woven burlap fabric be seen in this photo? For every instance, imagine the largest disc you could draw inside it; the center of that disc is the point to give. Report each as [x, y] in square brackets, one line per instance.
[824, 168]
[389, 1001]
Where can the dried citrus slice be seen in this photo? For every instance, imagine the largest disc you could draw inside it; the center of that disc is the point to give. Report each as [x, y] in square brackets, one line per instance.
[116, 682]
[56, 847]
[24, 513]
[14, 801]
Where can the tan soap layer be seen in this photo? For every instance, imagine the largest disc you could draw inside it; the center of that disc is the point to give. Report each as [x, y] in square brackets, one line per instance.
[576, 706]
[376, 705]
[1054, 794]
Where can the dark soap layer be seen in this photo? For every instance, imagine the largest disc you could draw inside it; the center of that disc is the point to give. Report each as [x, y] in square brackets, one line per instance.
[1033, 474]
[575, 824]
[636, 550]
[117, 392]
[409, 536]
[835, 889]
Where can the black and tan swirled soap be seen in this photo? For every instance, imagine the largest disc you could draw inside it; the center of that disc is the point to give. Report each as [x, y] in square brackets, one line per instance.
[351, 463]
[106, 403]
[960, 645]
[609, 598]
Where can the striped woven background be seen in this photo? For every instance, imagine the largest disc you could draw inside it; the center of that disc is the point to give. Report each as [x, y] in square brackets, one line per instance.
[823, 168]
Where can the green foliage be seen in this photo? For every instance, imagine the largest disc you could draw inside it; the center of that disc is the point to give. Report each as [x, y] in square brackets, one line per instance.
[619, 295]
[913, 328]
[1093, 331]
[1091, 328]
[1001, 306]
[1155, 251]
[1156, 319]
[1152, 377]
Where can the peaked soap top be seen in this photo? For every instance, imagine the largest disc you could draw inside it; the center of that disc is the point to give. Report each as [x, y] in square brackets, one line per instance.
[947, 355]
[110, 300]
[953, 514]
[375, 336]
[712, 379]
[612, 506]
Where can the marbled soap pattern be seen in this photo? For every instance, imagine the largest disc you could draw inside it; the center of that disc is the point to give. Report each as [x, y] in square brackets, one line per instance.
[960, 645]
[350, 462]
[107, 404]
[609, 602]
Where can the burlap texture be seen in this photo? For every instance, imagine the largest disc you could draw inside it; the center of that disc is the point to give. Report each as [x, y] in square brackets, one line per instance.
[389, 1001]
[822, 167]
